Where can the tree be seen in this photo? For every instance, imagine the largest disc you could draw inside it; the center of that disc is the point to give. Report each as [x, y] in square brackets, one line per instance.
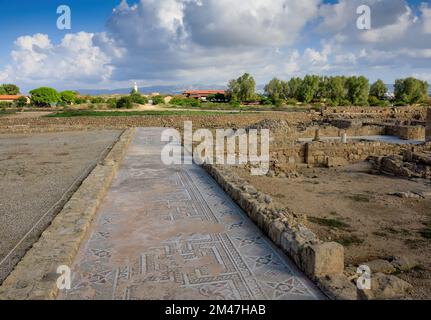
[45, 96]
[358, 89]
[323, 88]
[411, 90]
[291, 89]
[309, 88]
[274, 89]
[335, 90]
[68, 97]
[378, 90]
[9, 89]
[242, 89]
[233, 90]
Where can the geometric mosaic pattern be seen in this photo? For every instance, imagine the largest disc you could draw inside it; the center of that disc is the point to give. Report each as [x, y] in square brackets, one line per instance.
[170, 232]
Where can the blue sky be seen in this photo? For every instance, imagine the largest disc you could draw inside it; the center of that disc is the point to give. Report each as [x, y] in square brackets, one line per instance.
[209, 41]
[28, 17]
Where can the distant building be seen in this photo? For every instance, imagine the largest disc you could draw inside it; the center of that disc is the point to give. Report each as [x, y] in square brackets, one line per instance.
[12, 98]
[202, 94]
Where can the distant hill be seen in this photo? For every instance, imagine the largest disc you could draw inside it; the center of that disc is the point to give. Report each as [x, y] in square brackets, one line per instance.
[147, 90]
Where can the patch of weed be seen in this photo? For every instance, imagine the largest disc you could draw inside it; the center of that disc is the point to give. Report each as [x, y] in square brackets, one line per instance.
[360, 198]
[332, 223]
[350, 240]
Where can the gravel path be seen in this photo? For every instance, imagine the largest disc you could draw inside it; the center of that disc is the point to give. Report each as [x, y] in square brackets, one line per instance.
[39, 172]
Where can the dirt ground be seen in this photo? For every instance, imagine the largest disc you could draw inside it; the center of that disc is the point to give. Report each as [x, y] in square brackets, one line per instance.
[353, 207]
[38, 173]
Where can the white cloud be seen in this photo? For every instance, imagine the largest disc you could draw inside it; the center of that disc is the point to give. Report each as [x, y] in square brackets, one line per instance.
[211, 41]
[426, 14]
[74, 60]
[187, 39]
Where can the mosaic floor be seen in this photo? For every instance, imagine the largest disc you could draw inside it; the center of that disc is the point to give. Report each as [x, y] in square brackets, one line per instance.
[172, 233]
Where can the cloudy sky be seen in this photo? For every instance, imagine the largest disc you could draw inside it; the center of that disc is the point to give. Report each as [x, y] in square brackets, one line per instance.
[179, 42]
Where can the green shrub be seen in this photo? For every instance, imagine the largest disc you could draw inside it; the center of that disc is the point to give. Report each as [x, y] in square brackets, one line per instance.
[278, 102]
[124, 103]
[137, 98]
[111, 103]
[375, 102]
[97, 100]
[331, 103]
[235, 103]
[158, 100]
[345, 103]
[5, 104]
[266, 101]
[80, 100]
[21, 102]
[291, 101]
[185, 102]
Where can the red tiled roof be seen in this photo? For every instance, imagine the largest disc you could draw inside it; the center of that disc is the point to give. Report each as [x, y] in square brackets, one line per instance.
[204, 91]
[9, 97]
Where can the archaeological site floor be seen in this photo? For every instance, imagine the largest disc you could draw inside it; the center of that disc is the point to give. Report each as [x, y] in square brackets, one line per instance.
[172, 233]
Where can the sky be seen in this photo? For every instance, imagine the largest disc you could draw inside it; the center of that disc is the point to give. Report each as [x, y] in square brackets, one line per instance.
[113, 43]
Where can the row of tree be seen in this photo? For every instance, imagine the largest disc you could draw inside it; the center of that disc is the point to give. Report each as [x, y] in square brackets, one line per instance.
[337, 90]
[44, 96]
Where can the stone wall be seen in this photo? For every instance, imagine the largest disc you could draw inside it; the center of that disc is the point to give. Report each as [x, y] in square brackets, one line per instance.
[329, 153]
[407, 132]
[337, 153]
[400, 113]
[335, 131]
[322, 261]
[210, 121]
[285, 228]
[428, 126]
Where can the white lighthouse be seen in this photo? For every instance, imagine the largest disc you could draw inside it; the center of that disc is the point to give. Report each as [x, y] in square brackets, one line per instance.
[135, 88]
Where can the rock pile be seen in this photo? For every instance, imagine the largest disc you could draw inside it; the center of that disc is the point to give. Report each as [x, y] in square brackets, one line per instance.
[411, 165]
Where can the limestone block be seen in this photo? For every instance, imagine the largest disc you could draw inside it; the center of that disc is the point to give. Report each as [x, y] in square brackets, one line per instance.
[380, 266]
[275, 231]
[386, 287]
[338, 287]
[324, 259]
[403, 263]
